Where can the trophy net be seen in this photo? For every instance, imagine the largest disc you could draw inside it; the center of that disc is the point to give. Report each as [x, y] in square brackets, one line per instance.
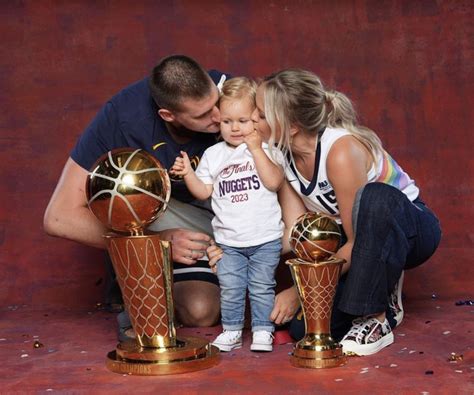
[317, 289]
[145, 280]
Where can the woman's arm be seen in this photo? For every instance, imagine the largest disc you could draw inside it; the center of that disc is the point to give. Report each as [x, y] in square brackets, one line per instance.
[292, 207]
[287, 301]
[347, 165]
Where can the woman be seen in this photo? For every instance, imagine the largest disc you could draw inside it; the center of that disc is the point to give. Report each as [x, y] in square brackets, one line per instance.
[339, 167]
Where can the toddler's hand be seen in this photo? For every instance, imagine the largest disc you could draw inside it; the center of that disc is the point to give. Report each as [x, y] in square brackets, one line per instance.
[182, 165]
[253, 140]
[214, 254]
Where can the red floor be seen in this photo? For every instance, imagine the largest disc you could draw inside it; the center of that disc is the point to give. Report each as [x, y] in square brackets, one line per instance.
[76, 342]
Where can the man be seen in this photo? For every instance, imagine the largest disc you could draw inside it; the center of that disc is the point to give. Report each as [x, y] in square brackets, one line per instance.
[173, 110]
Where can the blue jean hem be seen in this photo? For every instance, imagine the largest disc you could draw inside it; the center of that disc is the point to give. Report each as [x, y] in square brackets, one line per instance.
[232, 327]
[267, 328]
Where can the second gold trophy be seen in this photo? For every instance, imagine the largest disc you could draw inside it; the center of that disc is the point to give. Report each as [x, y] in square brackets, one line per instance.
[314, 238]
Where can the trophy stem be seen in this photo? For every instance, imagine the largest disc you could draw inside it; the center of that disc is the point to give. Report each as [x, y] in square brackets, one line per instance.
[143, 266]
[316, 283]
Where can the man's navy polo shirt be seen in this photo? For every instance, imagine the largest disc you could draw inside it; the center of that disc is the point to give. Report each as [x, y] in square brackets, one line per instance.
[130, 119]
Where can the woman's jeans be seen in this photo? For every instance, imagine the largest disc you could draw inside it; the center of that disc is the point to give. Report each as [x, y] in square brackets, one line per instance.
[392, 234]
[252, 268]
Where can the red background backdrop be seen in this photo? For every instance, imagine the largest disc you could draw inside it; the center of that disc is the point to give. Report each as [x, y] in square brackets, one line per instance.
[408, 65]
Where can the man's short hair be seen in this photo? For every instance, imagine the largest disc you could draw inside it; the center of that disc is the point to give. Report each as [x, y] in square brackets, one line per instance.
[177, 77]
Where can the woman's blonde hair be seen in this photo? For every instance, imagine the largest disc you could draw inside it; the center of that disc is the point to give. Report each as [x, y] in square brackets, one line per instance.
[296, 97]
[239, 88]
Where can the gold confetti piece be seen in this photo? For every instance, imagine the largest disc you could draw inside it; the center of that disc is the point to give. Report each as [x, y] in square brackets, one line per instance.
[38, 344]
[455, 357]
[446, 332]
[458, 371]
[351, 354]
[393, 365]
[24, 355]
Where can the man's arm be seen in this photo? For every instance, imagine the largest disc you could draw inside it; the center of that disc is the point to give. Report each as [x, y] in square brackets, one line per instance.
[67, 214]
[69, 217]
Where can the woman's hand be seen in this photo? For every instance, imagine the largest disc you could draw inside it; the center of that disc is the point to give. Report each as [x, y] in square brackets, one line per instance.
[285, 307]
[214, 253]
[345, 253]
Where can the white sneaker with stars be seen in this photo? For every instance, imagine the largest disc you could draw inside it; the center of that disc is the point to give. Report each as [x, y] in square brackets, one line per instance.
[228, 340]
[367, 336]
[262, 341]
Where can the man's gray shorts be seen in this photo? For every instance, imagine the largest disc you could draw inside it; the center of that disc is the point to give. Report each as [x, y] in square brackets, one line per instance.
[191, 217]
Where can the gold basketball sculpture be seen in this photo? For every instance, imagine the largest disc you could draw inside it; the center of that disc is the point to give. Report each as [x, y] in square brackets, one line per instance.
[314, 238]
[127, 189]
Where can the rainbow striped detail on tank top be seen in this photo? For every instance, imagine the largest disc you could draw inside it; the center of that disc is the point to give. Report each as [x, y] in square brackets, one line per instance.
[392, 174]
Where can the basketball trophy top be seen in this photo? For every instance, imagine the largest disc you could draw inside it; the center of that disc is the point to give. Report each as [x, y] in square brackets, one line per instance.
[314, 237]
[127, 189]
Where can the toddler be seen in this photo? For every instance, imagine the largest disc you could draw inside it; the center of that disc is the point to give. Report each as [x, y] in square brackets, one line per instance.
[242, 178]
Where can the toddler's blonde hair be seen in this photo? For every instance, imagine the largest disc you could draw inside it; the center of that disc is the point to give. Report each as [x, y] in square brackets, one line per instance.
[239, 88]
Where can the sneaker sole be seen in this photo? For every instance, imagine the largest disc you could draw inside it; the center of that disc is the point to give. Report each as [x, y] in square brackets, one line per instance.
[226, 347]
[361, 350]
[261, 347]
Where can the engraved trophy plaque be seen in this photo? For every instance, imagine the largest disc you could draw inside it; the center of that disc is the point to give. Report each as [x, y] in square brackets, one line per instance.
[127, 189]
[314, 238]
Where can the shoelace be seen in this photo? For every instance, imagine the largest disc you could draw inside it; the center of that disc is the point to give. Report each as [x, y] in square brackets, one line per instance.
[360, 327]
[228, 335]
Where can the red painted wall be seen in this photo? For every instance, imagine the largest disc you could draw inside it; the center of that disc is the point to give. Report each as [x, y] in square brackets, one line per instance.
[409, 66]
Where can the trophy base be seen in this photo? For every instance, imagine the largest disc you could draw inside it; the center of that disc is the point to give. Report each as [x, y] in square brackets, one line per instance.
[314, 359]
[189, 355]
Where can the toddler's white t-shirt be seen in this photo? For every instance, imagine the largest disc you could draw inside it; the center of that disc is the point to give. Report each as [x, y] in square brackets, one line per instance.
[246, 213]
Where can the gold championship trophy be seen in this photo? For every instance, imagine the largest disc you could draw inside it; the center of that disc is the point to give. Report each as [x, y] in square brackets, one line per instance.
[314, 238]
[128, 189]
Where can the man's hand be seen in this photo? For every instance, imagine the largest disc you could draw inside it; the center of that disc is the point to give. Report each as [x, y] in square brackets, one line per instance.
[182, 165]
[285, 307]
[187, 246]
